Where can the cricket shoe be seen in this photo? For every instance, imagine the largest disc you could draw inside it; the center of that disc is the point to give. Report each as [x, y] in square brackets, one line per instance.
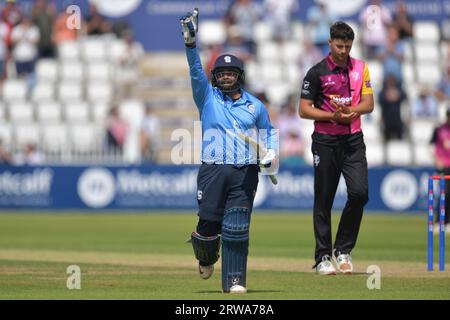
[205, 271]
[236, 289]
[325, 267]
[344, 263]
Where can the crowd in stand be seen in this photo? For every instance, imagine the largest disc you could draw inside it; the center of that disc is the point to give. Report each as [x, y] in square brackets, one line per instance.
[34, 31]
[384, 37]
[385, 34]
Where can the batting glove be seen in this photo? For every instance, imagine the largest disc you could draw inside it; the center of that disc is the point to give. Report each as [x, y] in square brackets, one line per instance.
[269, 157]
[189, 25]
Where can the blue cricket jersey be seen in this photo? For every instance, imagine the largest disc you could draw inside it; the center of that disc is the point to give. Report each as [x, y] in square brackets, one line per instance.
[221, 118]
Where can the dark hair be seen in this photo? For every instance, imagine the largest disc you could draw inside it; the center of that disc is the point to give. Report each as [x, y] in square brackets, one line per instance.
[341, 30]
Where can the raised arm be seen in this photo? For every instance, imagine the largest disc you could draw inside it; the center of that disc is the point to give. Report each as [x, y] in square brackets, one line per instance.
[199, 81]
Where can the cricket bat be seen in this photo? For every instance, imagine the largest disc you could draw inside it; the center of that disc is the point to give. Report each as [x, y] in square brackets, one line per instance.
[259, 149]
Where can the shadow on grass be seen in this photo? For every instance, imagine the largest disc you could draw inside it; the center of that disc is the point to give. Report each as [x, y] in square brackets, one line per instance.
[248, 291]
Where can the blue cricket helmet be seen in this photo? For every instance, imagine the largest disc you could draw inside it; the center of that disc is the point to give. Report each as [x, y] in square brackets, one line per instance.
[228, 62]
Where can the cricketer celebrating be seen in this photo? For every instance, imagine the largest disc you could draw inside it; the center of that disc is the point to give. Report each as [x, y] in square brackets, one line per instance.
[228, 176]
[335, 93]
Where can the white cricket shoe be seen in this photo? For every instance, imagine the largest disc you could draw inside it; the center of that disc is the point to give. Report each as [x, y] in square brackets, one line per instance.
[344, 263]
[238, 289]
[205, 271]
[325, 267]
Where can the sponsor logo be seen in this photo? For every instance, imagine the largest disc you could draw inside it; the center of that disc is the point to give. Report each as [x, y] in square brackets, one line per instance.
[199, 195]
[305, 85]
[316, 160]
[37, 182]
[96, 187]
[342, 100]
[116, 8]
[251, 108]
[227, 59]
[355, 75]
[329, 82]
[399, 190]
[368, 84]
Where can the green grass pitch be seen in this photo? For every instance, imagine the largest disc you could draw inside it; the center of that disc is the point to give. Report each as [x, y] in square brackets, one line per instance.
[145, 256]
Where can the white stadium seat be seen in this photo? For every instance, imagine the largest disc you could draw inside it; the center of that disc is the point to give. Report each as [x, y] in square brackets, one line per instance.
[76, 112]
[69, 50]
[421, 131]
[116, 50]
[268, 52]
[72, 70]
[100, 112]
[43, 91]
[6, 133]
[21, 112]
[14, 90]
[375, 154]
[423, 155]
[427, 53]
[428, 73]
[25, 134]
[2, 113]
[99, 71]
[54, 137]
[214, 32]
[93, 48]
[426, 31]
[83, 137]
[70, 91]
[99, 92]
[262, 32]
[398, 153]
[48, 112]
[47, 69]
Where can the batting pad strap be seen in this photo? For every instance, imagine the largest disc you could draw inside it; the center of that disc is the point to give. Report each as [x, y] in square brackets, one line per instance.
[235, 225]
[206, 249]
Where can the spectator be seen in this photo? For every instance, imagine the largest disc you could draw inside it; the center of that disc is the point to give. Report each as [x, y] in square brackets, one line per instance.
[443, 89]
[320, 20]
[374, 20]
[5, 157]
[116, 131]
[244, 14]
[392, 56]
[150, 128]
[25, 39]
[96, 24]
[292, 150]
[29, 155]
[309, 57]
[61, 32]
[441, 141]
[43, 15]
[292, 146]
[3, 49]
[279, 16]
[128, 70]
[445, 30]
[426, 106]
[403, 22]
[391, 98]
[11, 15]
[235, 45]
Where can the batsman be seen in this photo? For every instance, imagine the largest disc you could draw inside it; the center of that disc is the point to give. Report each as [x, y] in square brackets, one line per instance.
[228, 176]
